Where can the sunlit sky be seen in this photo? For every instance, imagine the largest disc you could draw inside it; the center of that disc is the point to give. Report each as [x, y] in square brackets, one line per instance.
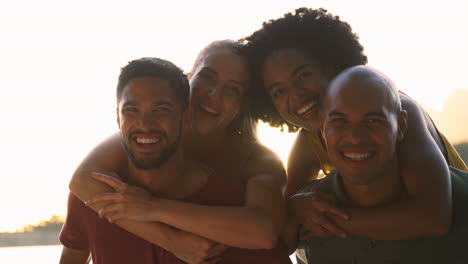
[59, 62]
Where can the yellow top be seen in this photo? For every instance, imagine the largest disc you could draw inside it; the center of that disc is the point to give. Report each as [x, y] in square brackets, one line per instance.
[454, 160]
[321, 151]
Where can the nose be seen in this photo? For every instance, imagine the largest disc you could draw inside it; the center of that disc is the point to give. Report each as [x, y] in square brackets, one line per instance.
[356, 134]
[296, 93]
[148, 120]
[214, 90]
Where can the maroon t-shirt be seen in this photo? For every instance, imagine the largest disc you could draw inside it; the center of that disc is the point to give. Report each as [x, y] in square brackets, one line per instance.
[108, 243]
[222, 191]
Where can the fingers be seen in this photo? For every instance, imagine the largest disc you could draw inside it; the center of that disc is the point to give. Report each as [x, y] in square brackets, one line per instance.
[111, 181]
[215, 250]
[305, 234]
[104, 197]
[112, 213]
[323, 221]
[314, 213]
[213, 253]
[212, 260]
[324, 206]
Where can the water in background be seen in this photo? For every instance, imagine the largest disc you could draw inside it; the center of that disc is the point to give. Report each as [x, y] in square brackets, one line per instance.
[33, 254]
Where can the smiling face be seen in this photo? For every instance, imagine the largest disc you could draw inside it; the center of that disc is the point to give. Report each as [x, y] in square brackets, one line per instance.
[150, 118]
[296, 85]
[218, 86]
[361, 130]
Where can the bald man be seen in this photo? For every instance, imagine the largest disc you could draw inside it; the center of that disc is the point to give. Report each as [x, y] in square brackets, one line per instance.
[363, 125]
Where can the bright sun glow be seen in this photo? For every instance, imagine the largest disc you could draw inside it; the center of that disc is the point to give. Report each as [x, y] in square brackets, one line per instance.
[59, 63]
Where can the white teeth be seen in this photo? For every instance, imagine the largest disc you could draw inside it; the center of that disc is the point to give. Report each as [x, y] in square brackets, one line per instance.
[357, 156]
[147, 140]
[306, 108]
[209, 110]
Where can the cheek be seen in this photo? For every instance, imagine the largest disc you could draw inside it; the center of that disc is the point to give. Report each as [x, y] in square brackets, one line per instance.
[280, 105]
[194, 92]
[232, 107]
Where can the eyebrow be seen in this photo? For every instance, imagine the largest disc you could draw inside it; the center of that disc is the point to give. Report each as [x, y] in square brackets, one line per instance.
[129, 103]
[336, 113]
[215, 72]
[208, 69]
[163, 101]
[341, 114]
[375, 114]
[295, 71]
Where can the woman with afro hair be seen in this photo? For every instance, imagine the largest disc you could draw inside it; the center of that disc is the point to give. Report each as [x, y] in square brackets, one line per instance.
[294, 58]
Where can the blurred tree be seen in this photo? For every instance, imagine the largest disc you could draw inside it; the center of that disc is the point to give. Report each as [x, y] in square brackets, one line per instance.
[462, 149]
[54, 224]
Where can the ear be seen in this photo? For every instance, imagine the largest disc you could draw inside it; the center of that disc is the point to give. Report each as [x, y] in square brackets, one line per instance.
[118, 116]
[189, 75]
[402, 125]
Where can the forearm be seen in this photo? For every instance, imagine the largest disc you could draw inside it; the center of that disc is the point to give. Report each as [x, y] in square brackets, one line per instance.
[405, 219]
[84, 186]
[226, 225]
[156, 233]
[108, 158]
[290, 233]
[303, 164]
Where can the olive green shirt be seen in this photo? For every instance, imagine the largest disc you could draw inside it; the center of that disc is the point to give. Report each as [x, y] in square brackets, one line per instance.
[451, 248]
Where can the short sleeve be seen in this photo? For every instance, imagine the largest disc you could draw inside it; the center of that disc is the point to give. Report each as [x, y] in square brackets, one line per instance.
[73, 234]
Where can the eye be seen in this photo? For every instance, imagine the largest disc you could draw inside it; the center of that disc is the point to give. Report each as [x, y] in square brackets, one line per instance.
[374, 122]
[304, 74]
[130, 109]
[163, 109]
[206, 76]
[337, 121]
[277, 92]
[232, 90]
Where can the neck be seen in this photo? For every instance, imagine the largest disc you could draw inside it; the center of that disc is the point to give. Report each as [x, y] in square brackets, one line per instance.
[385, 188]
[165, 181]
[211, 143]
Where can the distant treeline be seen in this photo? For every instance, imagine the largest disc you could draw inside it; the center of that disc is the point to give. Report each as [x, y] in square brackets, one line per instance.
[462, 149]
[44, 233]
[54, 224]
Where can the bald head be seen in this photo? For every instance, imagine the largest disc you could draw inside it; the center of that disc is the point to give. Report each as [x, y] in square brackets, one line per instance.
[369, 83]
[363, 122]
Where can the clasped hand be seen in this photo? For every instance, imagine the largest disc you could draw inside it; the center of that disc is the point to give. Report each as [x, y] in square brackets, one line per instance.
[127, 202]
[312, 210]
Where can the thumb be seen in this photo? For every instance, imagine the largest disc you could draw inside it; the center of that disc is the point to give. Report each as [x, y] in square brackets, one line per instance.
[116, 184]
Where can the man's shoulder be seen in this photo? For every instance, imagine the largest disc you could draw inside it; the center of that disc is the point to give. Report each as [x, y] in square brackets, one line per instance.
[455, 172]
[459, 180]
[327, 184]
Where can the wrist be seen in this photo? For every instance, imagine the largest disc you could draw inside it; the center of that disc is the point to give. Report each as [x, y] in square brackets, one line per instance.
[156, 211]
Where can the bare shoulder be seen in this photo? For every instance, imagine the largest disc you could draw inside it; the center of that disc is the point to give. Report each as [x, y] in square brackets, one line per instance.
[302, 149]
[420, 124]
[263, 160]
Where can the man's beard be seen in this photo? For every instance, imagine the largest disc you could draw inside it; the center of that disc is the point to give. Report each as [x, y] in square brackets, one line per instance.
[153, 163]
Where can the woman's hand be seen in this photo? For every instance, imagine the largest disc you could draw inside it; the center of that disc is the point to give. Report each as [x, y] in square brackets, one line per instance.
[311, 209]
[195, 249]
[127, 202]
